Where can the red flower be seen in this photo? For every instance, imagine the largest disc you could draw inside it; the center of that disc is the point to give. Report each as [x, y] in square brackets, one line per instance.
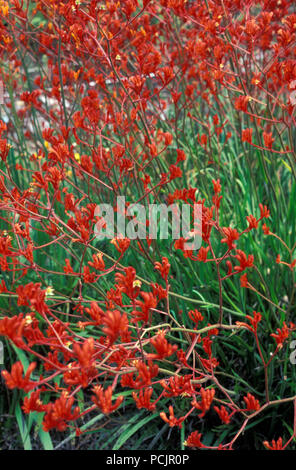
[223, 414]
[181, 157]
[253, 320]
[149, 302]
[163, 267]
[253, 222]
[67, 268]
[127, 282]
[88, 277]
[143, 399]
[13, 328]
[98, 262]
[33, 403]
[231, 235]
[146, 373]
[15, 378]
[103, 399]
[177, 386]
[252, 403]
[265, 213]
[268, 139]
[275, 445]
[116, 324]
[193, 440]
[175, 172]
[31, 294]
[171, 420]
[59, 412]
[247, 135]
[244, 280]
[85, 352]
[121, 244]
[217, 186]
[203, 254]
[281, 335]
[207, 397]
[195, 316]
[241, 103]
[163, 348]
[244, 262]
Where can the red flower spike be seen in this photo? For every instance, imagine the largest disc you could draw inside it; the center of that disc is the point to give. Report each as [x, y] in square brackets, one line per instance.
[15, 378]
[231, 235]
[163, 348]
[58, 413]
[163, 267]
[116, 324]
[172, 421]
[252, 403]
[195, 316]
[253, 320]
[275, 445]
[281, 335]
[143, 399]
[207, 397]
[33, 403]
[103, 399]
[223, 414]
[193, 440]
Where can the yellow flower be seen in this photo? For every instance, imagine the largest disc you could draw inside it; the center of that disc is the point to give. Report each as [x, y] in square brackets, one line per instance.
[28, 320]
[4, 8]
[49, 291]
[77, 157]
[137, 283]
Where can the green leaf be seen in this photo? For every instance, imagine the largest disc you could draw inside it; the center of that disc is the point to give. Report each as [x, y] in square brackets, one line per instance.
[23, 428]
[132, 430]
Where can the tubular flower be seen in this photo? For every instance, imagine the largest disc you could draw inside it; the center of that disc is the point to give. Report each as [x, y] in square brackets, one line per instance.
[85, 352]
[149, 302]
[15, 378]
[195, 316]
[281, 335]
[103, 399]
[116, 324]
[143, 399]
[163, 267]
[207, 397]
[171, 420]
[146, 373]
[244, 262]
[177, 386]
[252, 403]
[193, 440]
[231, 235]
[275, 445]
[253, 320]
[13, 328]
[33, 403]
[223, 414]
[163, 348]
[58, 413]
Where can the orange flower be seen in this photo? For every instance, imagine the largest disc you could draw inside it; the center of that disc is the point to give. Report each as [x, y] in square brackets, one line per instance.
[171, 420]
[252, 403]
[194, 440]
[275, 445]
[103, 399]
[207, 397]
[15, 378]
